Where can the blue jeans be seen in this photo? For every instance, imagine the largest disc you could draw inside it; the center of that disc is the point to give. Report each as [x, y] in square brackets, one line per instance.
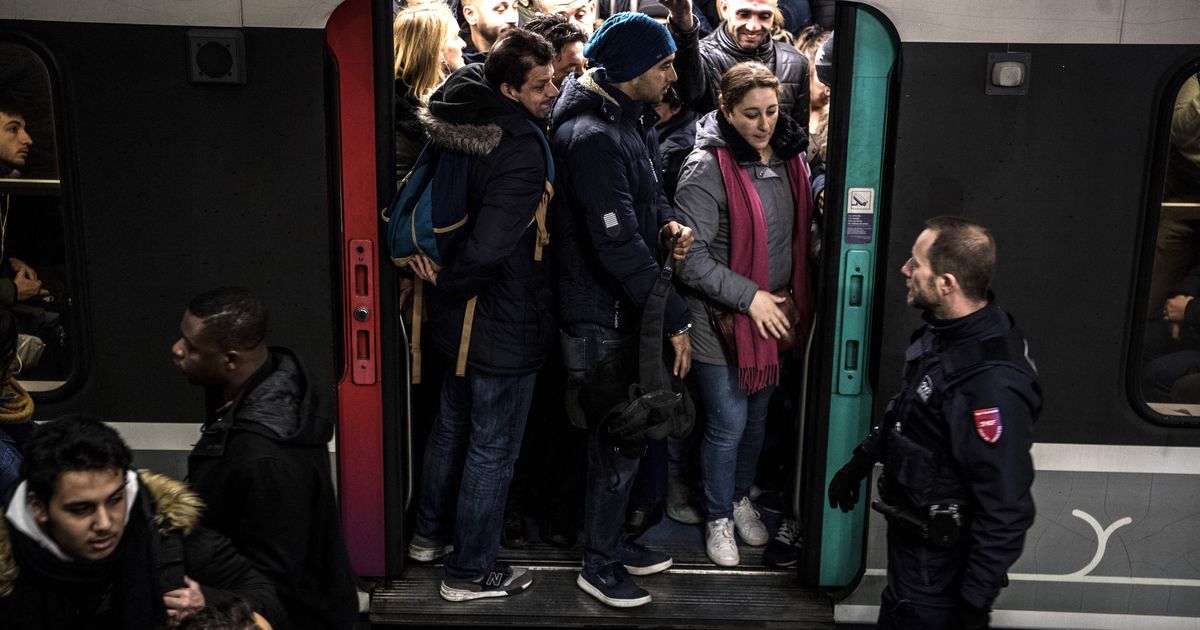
[610, 474]
[733, 436]
[469, 460]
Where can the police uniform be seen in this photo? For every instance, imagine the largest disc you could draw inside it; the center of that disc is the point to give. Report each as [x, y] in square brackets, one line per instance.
[957, 470]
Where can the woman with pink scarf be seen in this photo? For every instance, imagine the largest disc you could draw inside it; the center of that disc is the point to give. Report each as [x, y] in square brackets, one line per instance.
[745, 192]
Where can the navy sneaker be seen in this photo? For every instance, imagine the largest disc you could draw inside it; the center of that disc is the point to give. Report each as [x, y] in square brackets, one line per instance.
[784, 548]
[424, 549]
[501, 581]
[639, 560]
[612, 585]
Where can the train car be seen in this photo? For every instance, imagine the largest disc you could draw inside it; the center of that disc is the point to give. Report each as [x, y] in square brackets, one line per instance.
[1068, 164]
[183, 146]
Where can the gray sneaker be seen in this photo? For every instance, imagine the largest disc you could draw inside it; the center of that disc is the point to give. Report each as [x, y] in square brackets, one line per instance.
[501, 581]
[424, 549]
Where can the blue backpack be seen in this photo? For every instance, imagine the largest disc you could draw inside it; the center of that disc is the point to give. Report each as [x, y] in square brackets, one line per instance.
[430, 206]
[427, 217]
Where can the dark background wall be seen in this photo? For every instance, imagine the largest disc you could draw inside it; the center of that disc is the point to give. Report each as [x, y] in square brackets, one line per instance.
[1062, 176]
[172, 188]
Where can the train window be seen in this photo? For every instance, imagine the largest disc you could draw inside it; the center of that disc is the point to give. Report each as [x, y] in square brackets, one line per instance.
[33, 253]
[1170, 362]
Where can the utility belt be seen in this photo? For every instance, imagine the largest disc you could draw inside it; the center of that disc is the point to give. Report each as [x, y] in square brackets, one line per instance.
[940, 524]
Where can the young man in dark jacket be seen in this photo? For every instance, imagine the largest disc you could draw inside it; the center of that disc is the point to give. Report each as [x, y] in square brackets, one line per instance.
[610, 228]
[745, 35]
[493, 297]
[87, 543]
[262, 462]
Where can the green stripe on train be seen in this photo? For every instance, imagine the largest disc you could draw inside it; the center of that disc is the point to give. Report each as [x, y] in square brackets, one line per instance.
[875, 47]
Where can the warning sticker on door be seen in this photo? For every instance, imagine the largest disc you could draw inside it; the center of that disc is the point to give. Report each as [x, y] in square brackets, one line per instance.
[860, 215]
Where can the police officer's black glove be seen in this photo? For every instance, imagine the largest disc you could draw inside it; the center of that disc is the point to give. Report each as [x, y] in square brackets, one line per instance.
[843, 488]
[968, 617]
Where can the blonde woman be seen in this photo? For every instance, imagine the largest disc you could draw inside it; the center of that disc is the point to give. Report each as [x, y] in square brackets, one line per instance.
[428, 48]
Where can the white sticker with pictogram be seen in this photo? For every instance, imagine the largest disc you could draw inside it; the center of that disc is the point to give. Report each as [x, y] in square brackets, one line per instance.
[860, 216]
[861, 201]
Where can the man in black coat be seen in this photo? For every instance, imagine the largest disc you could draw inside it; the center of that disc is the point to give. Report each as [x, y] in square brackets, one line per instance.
[954, 442]
[262, 462]
[490, 305]
[745, 35]
[611, 226]
[85, 542]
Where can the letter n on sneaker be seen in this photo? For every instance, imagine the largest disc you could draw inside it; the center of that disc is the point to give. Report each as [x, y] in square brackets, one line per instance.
[501, 581]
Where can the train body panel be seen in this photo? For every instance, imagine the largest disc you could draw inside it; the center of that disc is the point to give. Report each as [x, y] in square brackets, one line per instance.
[1068, 175]
[170, 186]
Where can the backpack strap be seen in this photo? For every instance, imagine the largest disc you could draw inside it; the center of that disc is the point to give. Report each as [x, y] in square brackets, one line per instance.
[464, 342]
[415, 344]
[539, 215]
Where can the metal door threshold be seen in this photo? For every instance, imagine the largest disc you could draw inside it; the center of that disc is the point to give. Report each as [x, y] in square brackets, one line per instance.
[690, 596]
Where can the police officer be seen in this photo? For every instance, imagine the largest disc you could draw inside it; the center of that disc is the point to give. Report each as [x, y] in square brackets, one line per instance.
[954, 442]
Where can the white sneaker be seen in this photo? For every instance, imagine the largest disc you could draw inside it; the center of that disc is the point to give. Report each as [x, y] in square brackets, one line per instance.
[719, 543]
[749, 526]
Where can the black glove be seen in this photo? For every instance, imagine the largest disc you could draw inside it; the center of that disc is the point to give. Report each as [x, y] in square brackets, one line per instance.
[843, 488]
[968, 617]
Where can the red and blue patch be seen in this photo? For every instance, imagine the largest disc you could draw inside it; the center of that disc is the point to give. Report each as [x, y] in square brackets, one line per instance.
[988, 424]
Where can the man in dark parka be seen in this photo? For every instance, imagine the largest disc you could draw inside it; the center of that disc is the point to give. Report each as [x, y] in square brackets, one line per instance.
[262, 462]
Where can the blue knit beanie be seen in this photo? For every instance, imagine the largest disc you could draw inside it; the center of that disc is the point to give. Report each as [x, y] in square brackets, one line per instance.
[628, 44]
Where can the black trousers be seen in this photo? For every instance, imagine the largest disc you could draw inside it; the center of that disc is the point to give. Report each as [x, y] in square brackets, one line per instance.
[922, 583]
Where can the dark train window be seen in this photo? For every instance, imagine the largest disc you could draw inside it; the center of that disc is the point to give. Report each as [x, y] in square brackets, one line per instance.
[33, 253]
[1170, 361]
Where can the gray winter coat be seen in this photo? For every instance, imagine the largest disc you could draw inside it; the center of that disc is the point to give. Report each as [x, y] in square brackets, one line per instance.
[701, 204]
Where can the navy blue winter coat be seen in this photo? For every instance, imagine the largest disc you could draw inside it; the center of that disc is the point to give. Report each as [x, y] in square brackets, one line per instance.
[610, 207]
[514, 320]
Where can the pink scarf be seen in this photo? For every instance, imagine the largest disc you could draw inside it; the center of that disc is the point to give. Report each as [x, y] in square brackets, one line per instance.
[758, 358]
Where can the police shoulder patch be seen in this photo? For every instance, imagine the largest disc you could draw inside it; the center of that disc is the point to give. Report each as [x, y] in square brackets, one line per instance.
[988, 424]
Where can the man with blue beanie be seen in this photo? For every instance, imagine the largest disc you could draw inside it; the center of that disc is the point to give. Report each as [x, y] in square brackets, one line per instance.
[611, 229]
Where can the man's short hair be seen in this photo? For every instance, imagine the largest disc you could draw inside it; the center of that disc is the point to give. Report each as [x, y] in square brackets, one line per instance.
[557, 30]
[965, 249]
[234, 318]
[230, 614]
[512, 57]
[77, 443]
[11, 105]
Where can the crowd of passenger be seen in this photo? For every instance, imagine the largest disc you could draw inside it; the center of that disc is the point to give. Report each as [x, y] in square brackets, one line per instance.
[683, 135]
[603, 147]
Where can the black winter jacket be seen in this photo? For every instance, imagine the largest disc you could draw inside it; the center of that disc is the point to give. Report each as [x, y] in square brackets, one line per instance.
[162, 542]
[701, 62]
[612, 206]
[959, 431]
[514, 322]
[262, 467]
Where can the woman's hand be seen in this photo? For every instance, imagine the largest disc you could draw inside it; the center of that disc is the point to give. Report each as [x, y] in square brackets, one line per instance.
[767, 316]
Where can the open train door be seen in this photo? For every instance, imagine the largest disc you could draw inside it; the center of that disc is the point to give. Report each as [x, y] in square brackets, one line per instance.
[843, 399]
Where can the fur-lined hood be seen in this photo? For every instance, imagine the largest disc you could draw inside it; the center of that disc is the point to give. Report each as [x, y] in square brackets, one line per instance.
[176, 509]
[466, 114]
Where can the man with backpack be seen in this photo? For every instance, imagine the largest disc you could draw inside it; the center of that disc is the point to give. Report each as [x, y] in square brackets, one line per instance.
[490, 305]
